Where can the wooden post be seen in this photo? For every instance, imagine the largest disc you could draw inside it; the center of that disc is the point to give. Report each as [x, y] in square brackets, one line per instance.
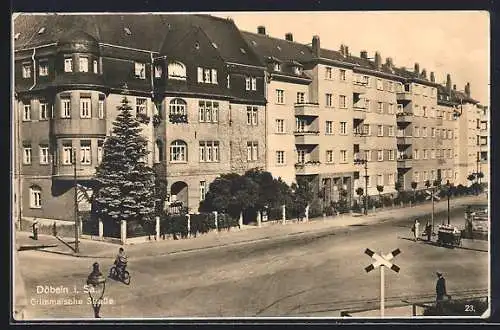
[216, 222]
[157, 226]
[382, 291]
[123, 228]
[283, 213]
[240, 220]
[101, 229]
[259, 219]
[188, 217]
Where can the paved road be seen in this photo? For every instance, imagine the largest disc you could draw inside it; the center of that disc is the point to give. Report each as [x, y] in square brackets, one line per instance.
[296, 276]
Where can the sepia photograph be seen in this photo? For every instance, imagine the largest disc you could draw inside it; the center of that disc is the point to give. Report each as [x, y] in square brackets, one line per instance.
[250, 165]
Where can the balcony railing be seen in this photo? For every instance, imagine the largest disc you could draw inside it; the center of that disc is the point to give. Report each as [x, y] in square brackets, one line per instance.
[308, 167]
[404, 116]
[403, 140]
[306, 137]
[403, 96]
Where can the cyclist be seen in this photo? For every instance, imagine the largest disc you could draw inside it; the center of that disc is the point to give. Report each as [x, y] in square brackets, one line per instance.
[121, 261]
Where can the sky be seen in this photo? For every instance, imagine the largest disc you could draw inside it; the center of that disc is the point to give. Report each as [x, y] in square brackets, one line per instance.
[454, 42]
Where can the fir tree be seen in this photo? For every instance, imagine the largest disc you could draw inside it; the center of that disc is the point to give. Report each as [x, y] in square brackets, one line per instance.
[125, 183]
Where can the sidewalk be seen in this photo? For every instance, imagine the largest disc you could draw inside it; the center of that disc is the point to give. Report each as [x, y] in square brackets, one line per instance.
[247, 234]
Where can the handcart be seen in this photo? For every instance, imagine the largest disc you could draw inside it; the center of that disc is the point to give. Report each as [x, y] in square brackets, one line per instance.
[449, 236]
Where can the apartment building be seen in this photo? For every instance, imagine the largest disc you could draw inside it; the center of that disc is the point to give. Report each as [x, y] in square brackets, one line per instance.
[200, 100]
[213, 99]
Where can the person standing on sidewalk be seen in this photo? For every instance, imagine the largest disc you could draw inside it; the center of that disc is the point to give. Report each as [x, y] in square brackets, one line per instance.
[416, 230]
[35, 229]
[440, 292]
[428, 230]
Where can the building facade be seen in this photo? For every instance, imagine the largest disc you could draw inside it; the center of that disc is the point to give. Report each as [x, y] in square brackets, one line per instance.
[213, 99]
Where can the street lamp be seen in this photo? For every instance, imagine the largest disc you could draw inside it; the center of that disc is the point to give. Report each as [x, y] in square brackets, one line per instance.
[75, 184]
[365, 163]
[96, 283]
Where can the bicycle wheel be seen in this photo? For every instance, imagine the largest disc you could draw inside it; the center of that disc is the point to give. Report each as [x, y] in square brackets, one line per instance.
[113, 272]
[126, 277]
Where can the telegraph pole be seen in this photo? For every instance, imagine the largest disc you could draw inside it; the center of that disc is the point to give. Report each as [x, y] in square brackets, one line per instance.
[75, 201]
[448, 193]
[366, 186]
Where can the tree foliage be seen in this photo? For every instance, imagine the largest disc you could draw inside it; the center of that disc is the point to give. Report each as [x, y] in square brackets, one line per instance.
[125, 184]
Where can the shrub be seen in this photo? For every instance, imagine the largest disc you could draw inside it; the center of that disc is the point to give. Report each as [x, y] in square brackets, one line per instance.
[329, 210]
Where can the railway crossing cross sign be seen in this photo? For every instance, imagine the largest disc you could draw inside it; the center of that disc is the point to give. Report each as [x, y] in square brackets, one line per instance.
[382, 261]
[431, 195]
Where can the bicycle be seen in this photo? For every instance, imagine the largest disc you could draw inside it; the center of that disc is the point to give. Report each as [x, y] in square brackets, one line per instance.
[122, 276]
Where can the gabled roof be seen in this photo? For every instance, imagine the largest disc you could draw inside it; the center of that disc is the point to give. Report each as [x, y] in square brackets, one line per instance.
[284, 50]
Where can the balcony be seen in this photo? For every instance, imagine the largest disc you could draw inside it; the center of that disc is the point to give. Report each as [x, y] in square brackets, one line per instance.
[359, 87]
[306, 168]
[405, 162]
[359, 111]
[66, 172]
[79, 126]
[307, 137]
[403, 96]
[404, 117]
[404, 140]
[306, 109]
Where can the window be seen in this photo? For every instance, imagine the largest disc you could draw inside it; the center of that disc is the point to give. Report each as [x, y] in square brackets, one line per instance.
[228, 81]
[208, 112]
[248, 85]
[390, 130]
[277, 66]
[96, 67]
[433, 132]
[329, 156]
[415, 154]
[368, 181]
[26, 70]
[366, 130]
[329, 100]
[178, 152]
[65, 108]
[100, 151]
[391, 108]
[390, 178]
[366, 80]
[35, 197]
[416, 176]
[380, 107]
[391, 86]
[209, 151]
[141, 105]
[85, 153]
[425, 176]
[280, 96]
[368, 155]
[177, 70]
[424, 111]
[140, 70]
[343, 156]
[43, 68]
[424, 91]
[391, 154]
[68, 64]
[450, 134]
[426, 154]
[342, 75]
[433, 175]
[83, 64]
[343, 128]
[300, 97]
[214, 79]
[380, 155]
[424, 131]
[26, 112]
[206, 76]
[252, 118]
[416, 89]
[100, 109]
[297, 70]
[44, 110]
[380, 130]
[450, 153]
[380, 85]
[329, 127]
[44, 154]
[433, 154]
[177, 107]
[85, 111]
[342, 101]
[67, 151]
[203, 190]
[280, 126]
[380, 179]
[280, 157]
[27, 155]
[416, 131]
[328, 73]
[252, 151]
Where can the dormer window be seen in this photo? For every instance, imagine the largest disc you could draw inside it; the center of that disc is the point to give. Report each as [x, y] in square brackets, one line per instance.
[243, 51]
[297, 70]
[176, 70]
[140, 70]
[83, 64]
[207, 76]
[158, 71]
[16, 36]
[96, 67]
[214, 45]
[68, 64]
[277, 66]
[42, 30]
[43, 68]
[127, 31]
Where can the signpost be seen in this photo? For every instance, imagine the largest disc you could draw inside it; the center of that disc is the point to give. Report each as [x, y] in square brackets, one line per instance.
[382, 261]
[432, 195]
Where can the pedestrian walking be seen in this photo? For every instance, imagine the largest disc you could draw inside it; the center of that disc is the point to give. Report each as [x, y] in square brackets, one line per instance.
[35, 229]
[428, 230]
[416, 230]
[440, 292]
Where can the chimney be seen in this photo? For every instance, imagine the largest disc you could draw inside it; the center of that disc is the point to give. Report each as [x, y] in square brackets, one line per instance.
[289, 36]
[454, 87]
[363, 54]
[417, 68]
[388, 62]
[346, 51]
[424, 74]
[378, 60]
[467, 89]
[448, 83]
[433, 78]
[261, 29]
[316, 48]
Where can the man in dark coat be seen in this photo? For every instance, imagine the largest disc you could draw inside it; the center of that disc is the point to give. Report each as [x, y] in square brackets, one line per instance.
[440, 292]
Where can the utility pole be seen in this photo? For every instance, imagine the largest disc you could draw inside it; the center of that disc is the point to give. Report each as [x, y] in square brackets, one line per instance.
[448, 193]
[432, 214]
[75, 201]
[366, 186]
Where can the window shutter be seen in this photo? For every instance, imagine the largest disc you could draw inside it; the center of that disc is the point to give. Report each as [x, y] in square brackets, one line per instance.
[200, 74]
